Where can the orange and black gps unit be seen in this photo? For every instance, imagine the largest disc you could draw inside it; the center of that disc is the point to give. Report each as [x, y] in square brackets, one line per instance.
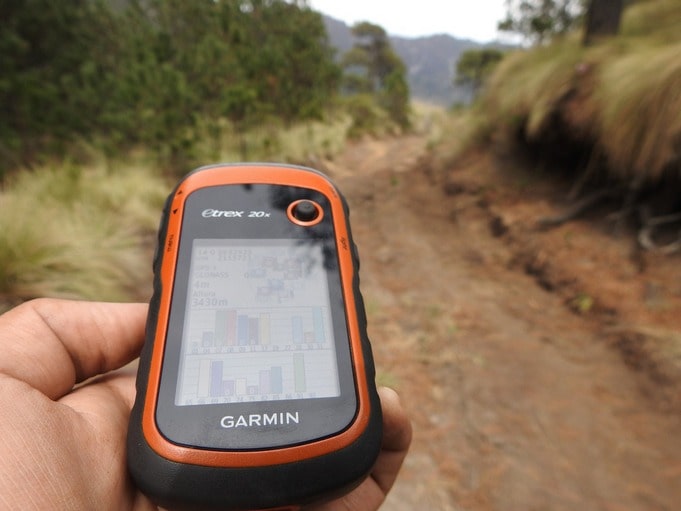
[255, 387]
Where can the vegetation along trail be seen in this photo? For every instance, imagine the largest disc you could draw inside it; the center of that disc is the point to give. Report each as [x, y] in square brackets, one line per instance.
[522, 397]
[537, 351]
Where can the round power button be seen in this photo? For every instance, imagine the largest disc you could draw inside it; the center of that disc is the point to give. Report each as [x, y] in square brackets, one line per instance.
[305, 212]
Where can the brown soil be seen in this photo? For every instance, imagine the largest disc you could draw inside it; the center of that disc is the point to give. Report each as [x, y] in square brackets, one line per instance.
[540, 368]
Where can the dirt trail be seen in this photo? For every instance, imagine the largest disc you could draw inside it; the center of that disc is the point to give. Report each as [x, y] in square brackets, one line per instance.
[520, 355]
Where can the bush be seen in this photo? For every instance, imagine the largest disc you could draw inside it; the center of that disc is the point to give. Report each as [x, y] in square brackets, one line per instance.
[367, 117]
[163, 74]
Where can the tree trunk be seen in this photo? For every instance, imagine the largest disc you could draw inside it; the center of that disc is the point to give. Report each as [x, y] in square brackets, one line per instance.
[602, 19]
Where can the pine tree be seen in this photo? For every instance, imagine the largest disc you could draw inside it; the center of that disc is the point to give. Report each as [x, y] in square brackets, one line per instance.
[372, 66]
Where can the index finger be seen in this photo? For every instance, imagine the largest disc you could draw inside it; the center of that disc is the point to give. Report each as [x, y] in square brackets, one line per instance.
[53, 344]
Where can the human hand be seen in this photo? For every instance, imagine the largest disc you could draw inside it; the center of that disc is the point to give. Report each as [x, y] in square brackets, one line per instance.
[62, 445]
[369, 495]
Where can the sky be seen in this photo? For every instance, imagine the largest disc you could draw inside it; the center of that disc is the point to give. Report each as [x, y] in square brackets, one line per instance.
[464, 19]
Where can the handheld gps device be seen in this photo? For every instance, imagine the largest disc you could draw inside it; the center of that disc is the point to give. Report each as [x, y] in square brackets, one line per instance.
[255, 388]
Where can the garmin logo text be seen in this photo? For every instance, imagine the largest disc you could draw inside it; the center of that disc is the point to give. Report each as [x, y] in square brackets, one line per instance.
[260, 419]
[216, 213]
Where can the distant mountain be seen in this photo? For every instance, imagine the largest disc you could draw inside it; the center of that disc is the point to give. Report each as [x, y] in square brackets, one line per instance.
[430, 62]
[431, 65]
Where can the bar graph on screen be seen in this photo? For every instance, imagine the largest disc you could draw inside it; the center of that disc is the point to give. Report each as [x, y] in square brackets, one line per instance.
[258, 354]
[243, 377]
[258, 324]
[217, 328]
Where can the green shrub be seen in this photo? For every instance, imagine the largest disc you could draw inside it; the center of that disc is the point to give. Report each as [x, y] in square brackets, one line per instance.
[367, 117]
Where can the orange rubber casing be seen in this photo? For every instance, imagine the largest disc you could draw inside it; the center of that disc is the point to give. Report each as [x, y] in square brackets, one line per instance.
[180, 470]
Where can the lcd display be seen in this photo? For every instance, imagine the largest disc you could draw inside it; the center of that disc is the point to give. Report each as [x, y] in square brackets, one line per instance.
[258, 323]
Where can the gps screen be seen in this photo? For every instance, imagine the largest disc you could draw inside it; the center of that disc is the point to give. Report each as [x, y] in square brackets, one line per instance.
[258, 323]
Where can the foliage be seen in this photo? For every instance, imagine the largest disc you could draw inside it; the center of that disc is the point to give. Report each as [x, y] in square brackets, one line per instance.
[367, 117]
[372, 67]
[87, 231]
[161, 73]
[538, 21]
[620, 99]
[475, 66]
[303, 142]
[394, 97]
[41, 58]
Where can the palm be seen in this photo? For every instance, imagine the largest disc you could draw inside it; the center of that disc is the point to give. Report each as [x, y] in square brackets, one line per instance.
[64, 448]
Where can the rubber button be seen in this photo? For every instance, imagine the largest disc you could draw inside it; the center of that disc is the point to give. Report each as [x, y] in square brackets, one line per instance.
[305, 211]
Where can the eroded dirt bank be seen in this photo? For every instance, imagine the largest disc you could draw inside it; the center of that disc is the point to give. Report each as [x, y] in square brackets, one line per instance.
[539, 366]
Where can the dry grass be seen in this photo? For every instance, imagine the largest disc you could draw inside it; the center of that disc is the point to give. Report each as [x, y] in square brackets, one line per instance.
[639, 121]
[528, 85]
[622, 96]
[455, 134]
[76, 232]
[656, 19]
[313, 140]
[87, 231]
[273, 141]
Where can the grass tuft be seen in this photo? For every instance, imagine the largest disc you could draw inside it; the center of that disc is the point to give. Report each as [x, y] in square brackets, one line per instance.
[528, 84]
[87, 231]
[302, 143]
[72, 232]
[640, 113]
[622, 97]
[653, 19]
